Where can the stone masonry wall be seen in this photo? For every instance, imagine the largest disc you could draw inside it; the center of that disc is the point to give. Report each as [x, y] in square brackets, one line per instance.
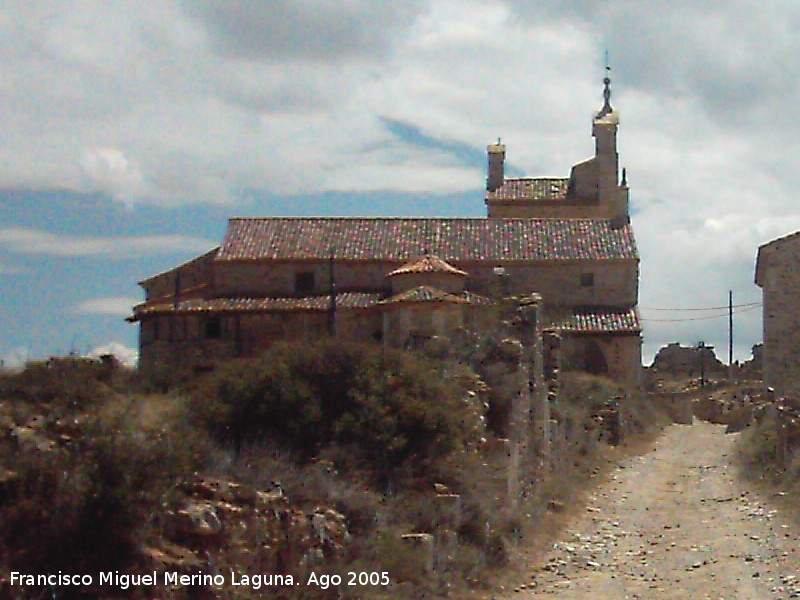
[192, 274]
[781, 295]
[615, 283]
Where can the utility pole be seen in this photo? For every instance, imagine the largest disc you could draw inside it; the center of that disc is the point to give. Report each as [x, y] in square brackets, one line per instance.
[730, 336]
[701, 346]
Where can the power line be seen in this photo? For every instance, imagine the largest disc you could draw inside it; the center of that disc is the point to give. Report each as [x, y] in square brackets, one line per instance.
[719, 316]
[698, 309]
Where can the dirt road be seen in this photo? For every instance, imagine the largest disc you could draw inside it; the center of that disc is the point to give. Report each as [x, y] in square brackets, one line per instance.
[673, 523]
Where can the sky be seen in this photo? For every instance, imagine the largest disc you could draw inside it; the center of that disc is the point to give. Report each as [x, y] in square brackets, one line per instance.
[131, 131]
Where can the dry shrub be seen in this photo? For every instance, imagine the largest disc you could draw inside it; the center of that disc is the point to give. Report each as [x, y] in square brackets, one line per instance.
[758, 448]
[68, 383]
[88, 505]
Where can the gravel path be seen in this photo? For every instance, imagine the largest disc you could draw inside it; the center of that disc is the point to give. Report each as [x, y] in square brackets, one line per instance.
[673, 523]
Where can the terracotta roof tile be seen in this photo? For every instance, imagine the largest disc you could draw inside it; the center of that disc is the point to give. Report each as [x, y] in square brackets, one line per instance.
[425, 293]
[398, 239]
[427, 264]
[598, 320]
[314, 303]
[529, 188]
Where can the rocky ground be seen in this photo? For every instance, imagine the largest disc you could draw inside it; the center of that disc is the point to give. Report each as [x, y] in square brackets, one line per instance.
[675, 522]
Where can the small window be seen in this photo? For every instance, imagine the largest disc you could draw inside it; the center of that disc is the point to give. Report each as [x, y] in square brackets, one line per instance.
[213, 328]
[304, 282]
[417, 341]
[155, 329]
[587, 279]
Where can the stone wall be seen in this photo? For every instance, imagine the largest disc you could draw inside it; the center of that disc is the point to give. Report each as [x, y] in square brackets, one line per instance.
[403, 323]
[273, 278]
[781, 295]
[621, 354]
[614, 283]
[184, 342]
[197, 272]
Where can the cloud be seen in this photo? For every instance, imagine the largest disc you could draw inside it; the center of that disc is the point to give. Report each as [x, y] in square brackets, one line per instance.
[23, 240]
[126, 356]
[110, 305]
[208, 101]
[109, 170]
[327, 30]
[14, 360]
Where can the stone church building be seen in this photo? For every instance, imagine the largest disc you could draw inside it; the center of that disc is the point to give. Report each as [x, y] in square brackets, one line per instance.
[400, 281]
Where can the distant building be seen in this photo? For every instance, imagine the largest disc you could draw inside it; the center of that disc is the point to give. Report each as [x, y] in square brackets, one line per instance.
[399, 281]
[778, 275]
[688, 362]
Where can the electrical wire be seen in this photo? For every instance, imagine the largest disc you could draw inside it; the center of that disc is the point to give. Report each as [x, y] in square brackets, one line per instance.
[697, 309]
[719, 316]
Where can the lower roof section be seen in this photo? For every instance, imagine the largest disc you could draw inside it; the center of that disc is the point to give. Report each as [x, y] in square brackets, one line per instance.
[596, 319]
[239, 304]
[579, 320]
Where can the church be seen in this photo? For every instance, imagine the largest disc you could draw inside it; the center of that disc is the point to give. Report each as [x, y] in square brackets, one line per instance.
[401, 281]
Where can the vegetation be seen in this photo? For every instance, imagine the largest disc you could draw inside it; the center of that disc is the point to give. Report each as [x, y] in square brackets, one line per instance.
[100, 471]
[395, 411]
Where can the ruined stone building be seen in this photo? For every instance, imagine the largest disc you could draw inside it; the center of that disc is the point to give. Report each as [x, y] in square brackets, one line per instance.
[778, 275]
[687, 362]
[400, 281]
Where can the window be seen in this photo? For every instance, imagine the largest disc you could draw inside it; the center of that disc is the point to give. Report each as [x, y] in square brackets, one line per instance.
[304, 282]
[213, 328]
[587, 279]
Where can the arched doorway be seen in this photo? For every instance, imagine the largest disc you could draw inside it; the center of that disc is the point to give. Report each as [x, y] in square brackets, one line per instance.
[595, 360]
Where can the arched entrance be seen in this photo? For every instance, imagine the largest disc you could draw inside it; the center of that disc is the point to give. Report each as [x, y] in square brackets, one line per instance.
[595, 360]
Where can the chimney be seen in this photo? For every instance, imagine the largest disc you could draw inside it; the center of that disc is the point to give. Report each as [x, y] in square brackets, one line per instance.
[497, 156]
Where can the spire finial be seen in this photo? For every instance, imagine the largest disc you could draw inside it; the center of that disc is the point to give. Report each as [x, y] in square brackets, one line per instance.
[606, 92]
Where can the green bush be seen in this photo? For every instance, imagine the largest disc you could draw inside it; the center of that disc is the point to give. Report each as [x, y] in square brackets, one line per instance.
[393, 408]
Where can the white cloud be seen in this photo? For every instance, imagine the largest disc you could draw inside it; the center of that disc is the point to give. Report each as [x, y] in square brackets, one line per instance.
[126, 356]
[24, 240]
[181, 102]
[110, 305]
[109, 170]
[14, 360]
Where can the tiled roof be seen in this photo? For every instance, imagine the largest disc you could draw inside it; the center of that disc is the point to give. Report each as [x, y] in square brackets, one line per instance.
[598, 320]
[313, 303]
[427, 264]
[529, 188]
[398, 239]
[205, 256]
[425, 293]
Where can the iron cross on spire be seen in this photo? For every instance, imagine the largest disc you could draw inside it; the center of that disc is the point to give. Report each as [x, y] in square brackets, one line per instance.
[606, 92]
